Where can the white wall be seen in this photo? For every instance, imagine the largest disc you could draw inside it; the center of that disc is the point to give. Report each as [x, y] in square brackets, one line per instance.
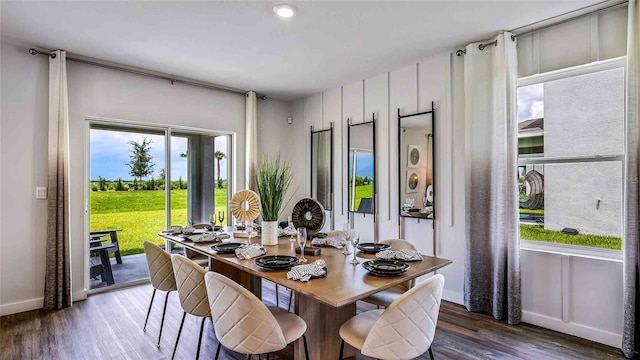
[98, 92]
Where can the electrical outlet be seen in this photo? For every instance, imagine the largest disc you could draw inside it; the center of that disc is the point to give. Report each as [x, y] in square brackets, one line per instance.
[41, 192]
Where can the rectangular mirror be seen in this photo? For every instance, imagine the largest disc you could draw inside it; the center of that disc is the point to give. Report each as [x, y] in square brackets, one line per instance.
[415, 138]
[361, 177]
[322, 167]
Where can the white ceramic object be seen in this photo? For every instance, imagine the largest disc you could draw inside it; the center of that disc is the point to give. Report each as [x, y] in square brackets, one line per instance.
[269, 233]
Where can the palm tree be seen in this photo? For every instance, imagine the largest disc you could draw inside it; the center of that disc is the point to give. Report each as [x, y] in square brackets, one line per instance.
[219, 155]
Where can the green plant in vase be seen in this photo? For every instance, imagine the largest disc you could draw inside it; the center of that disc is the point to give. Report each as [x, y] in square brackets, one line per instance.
[273, 178]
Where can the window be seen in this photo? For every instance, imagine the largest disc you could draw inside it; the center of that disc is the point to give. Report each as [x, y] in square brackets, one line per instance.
[570, 152]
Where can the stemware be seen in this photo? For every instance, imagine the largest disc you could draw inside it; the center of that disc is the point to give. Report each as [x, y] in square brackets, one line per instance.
[346, 229]
[355, 239]
[212, 220]
[249, 228]
[289, 227]
[301, 235]
[221, 219]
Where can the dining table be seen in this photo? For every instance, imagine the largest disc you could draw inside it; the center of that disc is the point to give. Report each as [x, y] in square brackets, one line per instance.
[324, 303]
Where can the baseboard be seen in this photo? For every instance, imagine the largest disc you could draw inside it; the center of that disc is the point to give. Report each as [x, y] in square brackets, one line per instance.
[583, 331]
[453, 296]
[21, 306]
[79, 295]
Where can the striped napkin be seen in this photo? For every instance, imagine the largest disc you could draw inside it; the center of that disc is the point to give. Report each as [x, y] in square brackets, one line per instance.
[250, 251]
[401, 254]
[304, 272]
[212, 237]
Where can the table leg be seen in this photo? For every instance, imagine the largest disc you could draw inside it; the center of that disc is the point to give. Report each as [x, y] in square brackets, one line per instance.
[323, 325]
[107, 274]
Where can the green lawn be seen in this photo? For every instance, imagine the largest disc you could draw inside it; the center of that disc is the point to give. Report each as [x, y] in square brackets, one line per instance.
[532, 212]
[362, 191]
[539, 233]
[141, 214]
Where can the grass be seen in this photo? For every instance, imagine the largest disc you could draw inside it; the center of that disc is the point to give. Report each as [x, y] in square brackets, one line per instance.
[539, 233]
[362, 191]
[141, 214]
[531, 212]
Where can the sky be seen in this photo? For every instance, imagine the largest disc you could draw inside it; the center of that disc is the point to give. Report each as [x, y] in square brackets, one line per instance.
[110, 153]
[364, 166]
[530, 102]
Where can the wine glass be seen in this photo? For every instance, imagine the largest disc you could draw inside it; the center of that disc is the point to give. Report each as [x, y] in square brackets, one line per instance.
[346, 229]
[249, 228]
[355, 239]
[302, 241]
[289, 227]
[221, 219]
[212, 220]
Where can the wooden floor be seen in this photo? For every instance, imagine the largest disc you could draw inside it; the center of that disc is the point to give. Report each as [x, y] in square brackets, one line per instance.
[109, 326]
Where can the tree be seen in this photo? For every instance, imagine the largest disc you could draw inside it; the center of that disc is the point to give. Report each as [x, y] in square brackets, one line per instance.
[140, 165]
[219, 155]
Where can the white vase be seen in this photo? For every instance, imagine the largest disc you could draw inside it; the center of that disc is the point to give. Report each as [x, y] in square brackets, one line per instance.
[269, 233]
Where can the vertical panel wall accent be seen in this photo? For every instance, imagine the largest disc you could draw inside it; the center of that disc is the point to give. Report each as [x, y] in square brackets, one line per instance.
[312, 117]
[352, 110]
[332, 112]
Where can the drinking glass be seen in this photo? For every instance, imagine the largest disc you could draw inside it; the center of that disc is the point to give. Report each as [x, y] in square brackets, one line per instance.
[249, 228]
[346, 229]
[290, 226]
[221, 219]
[302, 241]
[355, 239]
[212, 220]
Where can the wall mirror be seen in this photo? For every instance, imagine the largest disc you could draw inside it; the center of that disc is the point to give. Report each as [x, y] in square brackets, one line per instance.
[322, 167]
[362, 167]
[416, 164]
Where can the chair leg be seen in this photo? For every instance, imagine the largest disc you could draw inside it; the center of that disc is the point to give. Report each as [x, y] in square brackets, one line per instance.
[431, 353]
[341, 349]
[164, 311]
[306, 349]
[290, 298]
[277, 297]
[184, 315]
[248, 356]
[218, 350]
[200, 338]
[149, 311]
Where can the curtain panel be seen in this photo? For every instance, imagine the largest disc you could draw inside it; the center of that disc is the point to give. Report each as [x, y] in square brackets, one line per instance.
[631, 224]
[251, 140]
[57, 284]
[492, 263]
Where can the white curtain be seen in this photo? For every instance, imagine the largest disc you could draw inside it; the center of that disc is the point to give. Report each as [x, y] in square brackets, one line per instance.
[251, 140]
[57, 285]
[492, 264]
[632, 191]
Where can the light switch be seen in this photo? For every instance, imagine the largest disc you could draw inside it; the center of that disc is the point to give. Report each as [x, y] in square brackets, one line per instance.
[41, 192]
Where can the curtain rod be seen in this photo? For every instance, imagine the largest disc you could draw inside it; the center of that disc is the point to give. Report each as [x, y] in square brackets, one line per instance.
[33, 51]
[461, 52]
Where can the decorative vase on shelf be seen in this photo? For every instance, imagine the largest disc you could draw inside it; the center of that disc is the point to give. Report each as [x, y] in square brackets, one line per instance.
[269, 233]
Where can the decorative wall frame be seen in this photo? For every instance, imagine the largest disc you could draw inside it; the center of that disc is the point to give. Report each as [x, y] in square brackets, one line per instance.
[414, 152]
[413, 182]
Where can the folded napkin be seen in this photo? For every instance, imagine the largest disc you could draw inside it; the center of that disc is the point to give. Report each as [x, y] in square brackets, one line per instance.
[305, 272]
[212, 237]
[250, 251]
[334, 238]
[288, 231]
[401, 254]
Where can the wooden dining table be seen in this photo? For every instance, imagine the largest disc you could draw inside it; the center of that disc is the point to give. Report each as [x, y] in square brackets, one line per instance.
[325, 303]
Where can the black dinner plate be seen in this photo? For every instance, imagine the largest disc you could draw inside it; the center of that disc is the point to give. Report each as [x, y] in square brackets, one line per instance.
[276, 262]
[372, 248]
[385, 267]
[227, 248]
[326, 271]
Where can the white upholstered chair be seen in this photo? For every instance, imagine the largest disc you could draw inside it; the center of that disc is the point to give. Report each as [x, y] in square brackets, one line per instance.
[161, 275]
[192, 292]
[387, 296]
[244, 324]
[404, 330]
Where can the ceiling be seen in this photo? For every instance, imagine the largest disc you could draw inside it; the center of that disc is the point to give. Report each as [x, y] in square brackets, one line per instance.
[242, 44]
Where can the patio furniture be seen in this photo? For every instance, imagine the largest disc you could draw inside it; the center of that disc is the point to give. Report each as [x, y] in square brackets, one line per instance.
[161, 276]
[101, 267]
[403, 331]
[113, 236]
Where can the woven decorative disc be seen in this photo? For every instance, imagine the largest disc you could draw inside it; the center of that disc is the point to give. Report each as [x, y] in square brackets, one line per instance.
[238, 210]
[308, 213]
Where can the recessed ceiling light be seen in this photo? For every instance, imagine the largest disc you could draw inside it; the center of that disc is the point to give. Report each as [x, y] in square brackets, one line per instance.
[285, 10]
